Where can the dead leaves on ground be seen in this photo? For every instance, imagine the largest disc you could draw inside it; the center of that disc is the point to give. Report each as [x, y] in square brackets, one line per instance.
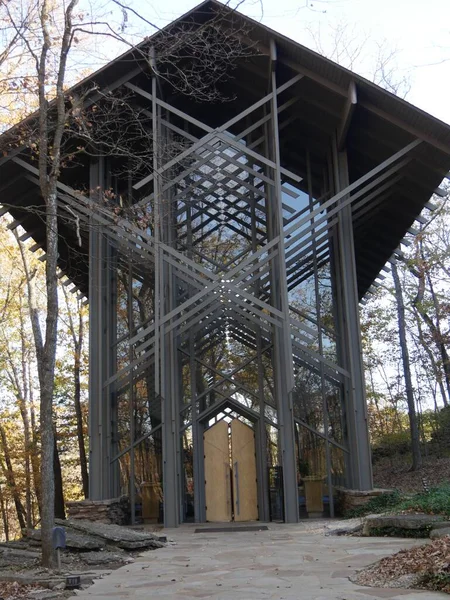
[432, 559]
[12, 590]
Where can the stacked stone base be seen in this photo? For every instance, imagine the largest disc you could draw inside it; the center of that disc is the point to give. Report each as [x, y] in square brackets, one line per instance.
[115, 511]
[347, 500]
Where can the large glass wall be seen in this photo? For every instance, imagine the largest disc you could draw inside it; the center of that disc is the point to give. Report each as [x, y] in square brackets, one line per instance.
[136, 408]
[318, 394]
[241, 276]
[226, 355]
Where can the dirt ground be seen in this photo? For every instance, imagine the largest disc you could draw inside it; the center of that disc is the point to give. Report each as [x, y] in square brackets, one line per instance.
[395, 473]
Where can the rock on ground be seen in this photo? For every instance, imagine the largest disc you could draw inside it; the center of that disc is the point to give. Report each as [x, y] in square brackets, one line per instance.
[407, 521]
[105, 558]
[14, 558]
[74, 540]
[344, 527]
[102, 547]
[122, 537]
[439, 532]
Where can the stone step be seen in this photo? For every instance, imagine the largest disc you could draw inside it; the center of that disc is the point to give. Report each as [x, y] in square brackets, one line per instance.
[409, 522]
[440, 532]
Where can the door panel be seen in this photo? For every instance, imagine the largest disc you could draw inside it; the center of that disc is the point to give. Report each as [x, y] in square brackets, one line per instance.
[245, 497]
[217, 473]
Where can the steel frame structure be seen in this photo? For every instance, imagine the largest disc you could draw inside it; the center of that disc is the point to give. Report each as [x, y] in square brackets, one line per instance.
[288, 239]
[236, 296]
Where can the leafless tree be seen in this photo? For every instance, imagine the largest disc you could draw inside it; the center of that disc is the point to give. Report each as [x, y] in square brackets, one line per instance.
[415, 437]
[76, 324]
[194, 59]
[359, 51]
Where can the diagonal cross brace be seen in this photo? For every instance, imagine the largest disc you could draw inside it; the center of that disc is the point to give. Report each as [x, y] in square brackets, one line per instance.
[211, 133]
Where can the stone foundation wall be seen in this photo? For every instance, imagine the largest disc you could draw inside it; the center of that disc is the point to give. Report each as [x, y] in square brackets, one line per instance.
[115, 511]
[349, 499]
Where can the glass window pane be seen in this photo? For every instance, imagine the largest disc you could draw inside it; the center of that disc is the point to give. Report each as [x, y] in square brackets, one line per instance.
[148, 478]
[147, 406]
[188, 476]
[308, 399]
[122, 437]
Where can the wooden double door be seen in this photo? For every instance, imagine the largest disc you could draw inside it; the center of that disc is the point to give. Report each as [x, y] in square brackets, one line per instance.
[230, 472]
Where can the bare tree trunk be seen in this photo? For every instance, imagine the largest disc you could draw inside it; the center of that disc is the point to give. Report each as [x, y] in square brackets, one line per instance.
[46, 380]
[27, 440]
[49, 170]
[26, 421]
[78, 339]
[9, 475]
[35, 448]
[20, 384]
[438, 336]
[376, 401]
[80, 428]
[4, 514]
[59, 494]
[436, 371]
[21, 391]
[415, 438]
[422, 274]
[45, 357]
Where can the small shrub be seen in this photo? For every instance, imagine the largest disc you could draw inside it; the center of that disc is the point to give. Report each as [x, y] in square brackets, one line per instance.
[422, 532]
[434, 502]
[391, 444]
[441, 434]
[378, 504]
[439, 582]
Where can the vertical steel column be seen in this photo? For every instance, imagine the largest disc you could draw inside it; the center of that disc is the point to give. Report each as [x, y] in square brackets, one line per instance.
[261, 435]
[110, 365]
[356, 413]
[329, 177]
[132, 491]
[99, 466]
[164, 351]
[95, 380]
[171, 430]
[197, 428]
[171, 363]
[195, 458]
[284, 374]
[110, 349]
[319, 332]
[261, 440]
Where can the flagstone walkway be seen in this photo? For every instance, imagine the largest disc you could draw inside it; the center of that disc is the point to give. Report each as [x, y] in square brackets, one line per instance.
[287, 562]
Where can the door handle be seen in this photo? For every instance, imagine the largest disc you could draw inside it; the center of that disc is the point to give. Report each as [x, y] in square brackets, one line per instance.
[228, 486]
[236, 480]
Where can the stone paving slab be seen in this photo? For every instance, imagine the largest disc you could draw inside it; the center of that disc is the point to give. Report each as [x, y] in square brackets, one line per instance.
[287, 562]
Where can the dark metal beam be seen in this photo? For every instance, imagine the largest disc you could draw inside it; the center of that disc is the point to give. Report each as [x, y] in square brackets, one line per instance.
[347, 115]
